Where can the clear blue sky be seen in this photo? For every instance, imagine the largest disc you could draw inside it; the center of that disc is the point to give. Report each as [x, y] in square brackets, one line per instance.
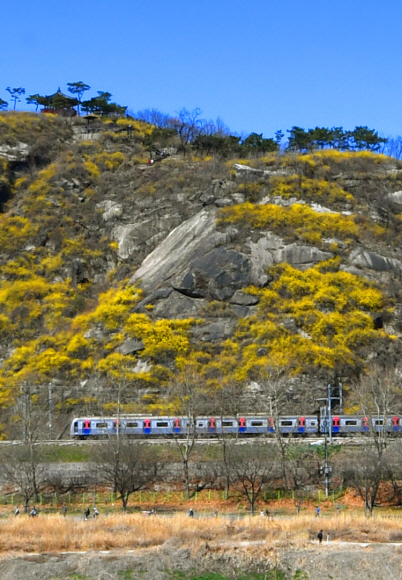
[261, 65]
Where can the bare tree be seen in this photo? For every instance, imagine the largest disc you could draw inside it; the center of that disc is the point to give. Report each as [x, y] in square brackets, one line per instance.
[252, 468]
[272, 397]
[124, 465]
[301, 471]
[188, 395]
[188, 125]
[227, 401]
[378, 397]
[365, 471]
[23, 469]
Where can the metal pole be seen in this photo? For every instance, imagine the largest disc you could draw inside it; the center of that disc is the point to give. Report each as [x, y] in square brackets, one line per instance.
[326, 471]
[330, 412]
[340, 399]
[50, 410]
[24, 410]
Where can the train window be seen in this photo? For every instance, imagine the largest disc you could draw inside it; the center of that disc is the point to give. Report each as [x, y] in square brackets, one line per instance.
[350, 422]
[227, 423]
[378, 422]
[257, 424]
[286, 423]
[132, 425]
[313, 423]
[76, 427]
[162, 424]
[101, 425]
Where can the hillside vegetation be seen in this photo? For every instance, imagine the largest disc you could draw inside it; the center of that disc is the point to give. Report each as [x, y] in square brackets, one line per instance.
[82, 209]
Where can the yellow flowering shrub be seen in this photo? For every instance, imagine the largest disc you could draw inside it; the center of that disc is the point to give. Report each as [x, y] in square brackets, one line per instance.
[317, 190]
[297, 221]
[112, 310]
[317, 318]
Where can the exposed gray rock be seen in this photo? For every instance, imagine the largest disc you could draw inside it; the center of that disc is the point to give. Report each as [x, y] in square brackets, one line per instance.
[14, 152]
[169, 261]
[365, 259]
[110, 209]
[240, 168]
[218, 273]
[246, 169]
[223, 201]
[297, 255]
[238, 197]
[396, 196]
[179, 306]
[219, 329]
[131, 345]
[142, 366]
[262, 257]
[131, 237]
[207, 198]
[95, 333]
[243, 299]
[159, 294]
[243, 311]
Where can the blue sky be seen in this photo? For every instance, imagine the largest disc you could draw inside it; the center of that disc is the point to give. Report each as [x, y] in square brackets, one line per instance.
[260, 65]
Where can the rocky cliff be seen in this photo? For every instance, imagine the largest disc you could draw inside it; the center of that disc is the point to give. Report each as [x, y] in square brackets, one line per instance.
[114, 270]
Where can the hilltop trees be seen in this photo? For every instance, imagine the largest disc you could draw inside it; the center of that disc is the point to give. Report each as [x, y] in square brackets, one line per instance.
[336, 138]
[78, 89]
[15, 94]
[3, 105]
[101, 105]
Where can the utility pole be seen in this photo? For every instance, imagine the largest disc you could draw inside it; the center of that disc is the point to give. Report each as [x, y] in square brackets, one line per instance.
[326, 470]
[330, 412]
[24, 410]
[50, 410]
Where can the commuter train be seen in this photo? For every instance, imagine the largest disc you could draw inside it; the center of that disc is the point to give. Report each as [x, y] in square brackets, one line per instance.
[142, 427]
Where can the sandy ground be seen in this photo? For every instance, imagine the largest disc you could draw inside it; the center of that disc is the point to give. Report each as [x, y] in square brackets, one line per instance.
[333, 561]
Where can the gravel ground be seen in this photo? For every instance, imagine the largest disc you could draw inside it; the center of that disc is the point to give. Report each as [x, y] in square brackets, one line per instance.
[334, 561]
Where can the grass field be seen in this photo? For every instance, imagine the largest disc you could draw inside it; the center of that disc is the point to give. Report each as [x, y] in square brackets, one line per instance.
[54, 533]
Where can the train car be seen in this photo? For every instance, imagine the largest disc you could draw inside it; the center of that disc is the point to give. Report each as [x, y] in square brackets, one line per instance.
[351, 424]
[93, 427]
[303, 425]
[243, 426]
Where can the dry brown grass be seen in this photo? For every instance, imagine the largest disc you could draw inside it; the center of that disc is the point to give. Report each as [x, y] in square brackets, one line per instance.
[55, 533]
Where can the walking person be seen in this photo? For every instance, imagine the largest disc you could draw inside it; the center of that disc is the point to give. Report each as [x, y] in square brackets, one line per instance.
[96, 512]
[320, 536]
[87, 513]
[16, 511]
[33, 513]
[317, 512]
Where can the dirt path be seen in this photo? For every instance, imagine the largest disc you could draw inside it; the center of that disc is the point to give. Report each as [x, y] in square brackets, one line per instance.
[333, 561]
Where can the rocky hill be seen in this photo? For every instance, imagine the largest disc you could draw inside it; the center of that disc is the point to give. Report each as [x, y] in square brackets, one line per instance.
[116, 272]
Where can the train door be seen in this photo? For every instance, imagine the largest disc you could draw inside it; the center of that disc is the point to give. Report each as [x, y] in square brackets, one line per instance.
[176, 426]
[212, 425]
[86, 427]
[365, 424]
[335, 424]
[271, 425]
[301, 423]
[395, 423]
[242, 425]
[147, 426]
